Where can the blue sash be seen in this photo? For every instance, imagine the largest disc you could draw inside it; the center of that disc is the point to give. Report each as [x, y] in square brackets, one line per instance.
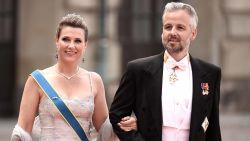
[61, 106]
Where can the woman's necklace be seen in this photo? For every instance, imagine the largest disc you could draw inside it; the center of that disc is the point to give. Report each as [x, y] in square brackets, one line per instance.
[68, 77]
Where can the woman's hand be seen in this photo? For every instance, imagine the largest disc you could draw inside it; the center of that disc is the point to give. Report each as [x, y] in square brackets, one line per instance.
[128, 123]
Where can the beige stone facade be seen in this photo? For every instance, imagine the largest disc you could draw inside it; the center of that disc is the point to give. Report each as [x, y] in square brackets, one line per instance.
[223, 39]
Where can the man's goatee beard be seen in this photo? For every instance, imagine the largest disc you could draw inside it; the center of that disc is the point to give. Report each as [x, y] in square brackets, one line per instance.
[173, 49]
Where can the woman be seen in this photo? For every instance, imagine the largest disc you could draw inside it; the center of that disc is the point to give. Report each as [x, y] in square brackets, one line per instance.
[82, 91]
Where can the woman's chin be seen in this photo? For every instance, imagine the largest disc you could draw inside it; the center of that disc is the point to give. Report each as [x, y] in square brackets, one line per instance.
[70, 60]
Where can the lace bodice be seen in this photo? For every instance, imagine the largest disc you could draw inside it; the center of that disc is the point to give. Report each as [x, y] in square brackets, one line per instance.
[55, 128]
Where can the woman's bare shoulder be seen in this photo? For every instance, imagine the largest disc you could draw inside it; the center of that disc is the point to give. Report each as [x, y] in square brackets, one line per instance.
[96, 77]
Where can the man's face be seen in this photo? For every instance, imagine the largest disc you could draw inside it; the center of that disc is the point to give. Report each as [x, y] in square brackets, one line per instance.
[177, 31]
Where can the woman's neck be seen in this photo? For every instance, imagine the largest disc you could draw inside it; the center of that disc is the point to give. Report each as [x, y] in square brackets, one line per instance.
[67, 69]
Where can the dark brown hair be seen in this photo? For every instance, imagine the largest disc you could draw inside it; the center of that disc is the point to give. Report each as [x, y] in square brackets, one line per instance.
[72, 20]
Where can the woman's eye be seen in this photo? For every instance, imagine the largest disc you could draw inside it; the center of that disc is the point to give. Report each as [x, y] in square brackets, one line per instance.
[78, 41]
[65, 39]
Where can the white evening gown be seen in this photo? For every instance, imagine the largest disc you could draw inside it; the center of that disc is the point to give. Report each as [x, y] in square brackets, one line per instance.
[53, 126]
[50, 126]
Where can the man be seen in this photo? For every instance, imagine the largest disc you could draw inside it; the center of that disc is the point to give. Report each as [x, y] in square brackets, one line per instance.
[174, 96]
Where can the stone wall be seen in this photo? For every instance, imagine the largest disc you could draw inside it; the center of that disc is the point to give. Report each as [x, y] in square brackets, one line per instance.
[235, 58]
[37, 26]
[223, 39]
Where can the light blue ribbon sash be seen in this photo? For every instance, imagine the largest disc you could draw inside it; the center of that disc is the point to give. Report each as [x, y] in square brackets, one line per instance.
[61, 106]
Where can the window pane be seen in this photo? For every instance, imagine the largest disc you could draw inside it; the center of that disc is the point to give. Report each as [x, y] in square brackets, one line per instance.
[1, 7]
[8, 6]
[160, 4]
[141, 7]
[1, 29]
[7, 29]
[141, 30]
[6, 10]
[158, 28]
[158, 19]
[141, 20]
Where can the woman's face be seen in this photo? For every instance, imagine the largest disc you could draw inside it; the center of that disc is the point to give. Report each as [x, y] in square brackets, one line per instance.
[71, 44]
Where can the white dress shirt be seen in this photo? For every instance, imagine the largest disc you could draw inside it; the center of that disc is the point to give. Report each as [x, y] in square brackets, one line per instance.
[176, 101]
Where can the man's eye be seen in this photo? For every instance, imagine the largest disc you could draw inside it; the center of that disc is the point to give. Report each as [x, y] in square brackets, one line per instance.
[167, 27]
[181, 28]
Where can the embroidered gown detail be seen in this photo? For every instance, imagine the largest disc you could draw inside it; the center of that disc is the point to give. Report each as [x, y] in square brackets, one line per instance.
[53, 127]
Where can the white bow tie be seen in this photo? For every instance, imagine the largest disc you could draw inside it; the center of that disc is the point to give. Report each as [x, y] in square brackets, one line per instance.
[176, 65]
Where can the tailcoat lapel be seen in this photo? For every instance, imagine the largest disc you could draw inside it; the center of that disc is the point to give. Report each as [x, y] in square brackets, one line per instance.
[153, 88]
[199, 100]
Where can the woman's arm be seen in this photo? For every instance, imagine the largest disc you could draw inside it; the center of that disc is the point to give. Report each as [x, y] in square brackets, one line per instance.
[29, 105]
[101, 109]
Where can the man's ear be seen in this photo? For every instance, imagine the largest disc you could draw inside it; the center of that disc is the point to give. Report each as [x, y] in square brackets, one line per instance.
[86, 44]
[194, 33]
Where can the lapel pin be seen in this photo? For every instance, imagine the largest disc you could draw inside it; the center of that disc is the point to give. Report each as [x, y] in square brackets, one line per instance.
[205, 88]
